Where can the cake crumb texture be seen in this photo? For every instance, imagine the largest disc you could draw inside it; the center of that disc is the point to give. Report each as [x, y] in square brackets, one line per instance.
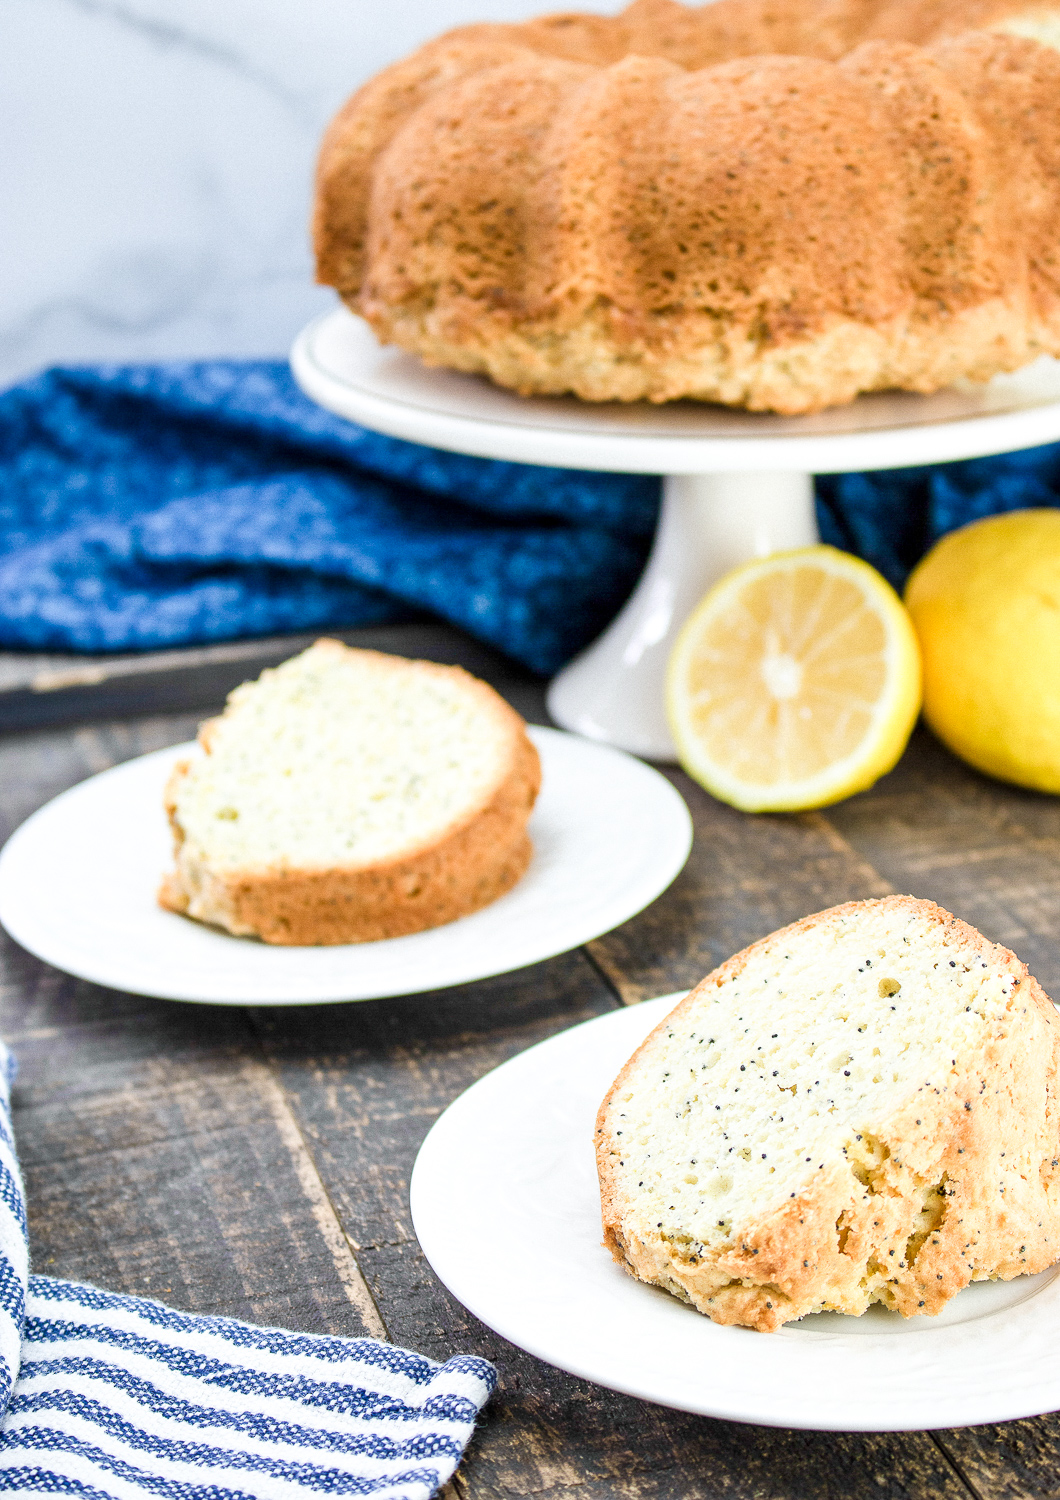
[859, 1109]
[347, 796]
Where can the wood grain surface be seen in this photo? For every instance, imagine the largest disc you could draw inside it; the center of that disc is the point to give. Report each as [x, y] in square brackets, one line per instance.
[255, 1162]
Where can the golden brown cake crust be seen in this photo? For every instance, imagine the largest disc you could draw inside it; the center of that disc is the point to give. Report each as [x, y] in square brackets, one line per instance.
[472, 863]
[737, 203]
[930, 1190]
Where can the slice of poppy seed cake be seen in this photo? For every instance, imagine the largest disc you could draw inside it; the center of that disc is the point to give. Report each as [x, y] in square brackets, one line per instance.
[347, 796]
[861, 1108]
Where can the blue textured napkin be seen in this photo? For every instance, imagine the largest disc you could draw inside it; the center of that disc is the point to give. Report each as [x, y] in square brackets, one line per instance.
[111, 1397]
[154, 506]
[162, 505]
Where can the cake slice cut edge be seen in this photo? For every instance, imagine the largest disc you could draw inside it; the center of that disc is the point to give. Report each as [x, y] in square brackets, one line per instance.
[350, 796]
[859, 1109]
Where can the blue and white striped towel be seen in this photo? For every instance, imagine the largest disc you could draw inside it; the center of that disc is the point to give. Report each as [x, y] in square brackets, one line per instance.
[117, 1398]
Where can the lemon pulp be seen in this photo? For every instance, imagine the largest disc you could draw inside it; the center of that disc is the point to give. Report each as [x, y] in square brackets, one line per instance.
[795, 682]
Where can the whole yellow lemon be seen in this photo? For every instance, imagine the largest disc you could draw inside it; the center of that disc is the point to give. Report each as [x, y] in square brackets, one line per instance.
[985, 603]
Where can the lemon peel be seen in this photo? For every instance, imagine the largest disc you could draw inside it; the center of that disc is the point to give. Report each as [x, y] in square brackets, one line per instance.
[795, 682]
[985, 602]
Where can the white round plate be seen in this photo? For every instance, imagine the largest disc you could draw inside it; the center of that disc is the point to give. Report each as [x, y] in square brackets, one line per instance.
[78, 883]
[339, 364]
[506, 1207]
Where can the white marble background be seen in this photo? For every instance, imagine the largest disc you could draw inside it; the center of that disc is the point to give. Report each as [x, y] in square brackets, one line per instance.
[156, 163]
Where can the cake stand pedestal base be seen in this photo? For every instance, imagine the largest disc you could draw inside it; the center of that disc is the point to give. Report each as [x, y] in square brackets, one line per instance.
[739, 484]
[709, 524]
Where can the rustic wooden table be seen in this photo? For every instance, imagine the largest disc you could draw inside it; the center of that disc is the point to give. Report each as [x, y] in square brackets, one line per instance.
[255, 1162]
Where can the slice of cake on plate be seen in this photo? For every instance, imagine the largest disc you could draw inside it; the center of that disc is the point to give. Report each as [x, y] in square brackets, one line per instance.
[347, 796]
[860, 1108]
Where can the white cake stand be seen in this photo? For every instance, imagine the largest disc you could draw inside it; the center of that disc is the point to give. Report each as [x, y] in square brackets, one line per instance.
[737, 484]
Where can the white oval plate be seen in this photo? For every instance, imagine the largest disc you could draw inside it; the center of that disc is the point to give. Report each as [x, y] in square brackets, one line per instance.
[507, 1210]
[78, 883]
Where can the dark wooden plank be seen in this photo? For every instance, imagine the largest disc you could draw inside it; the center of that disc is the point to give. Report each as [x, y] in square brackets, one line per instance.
[746, 876]
[591, 1444]
[1013, 1461]
[160, 1157]
[986, 851]
[367, 1081]
[38, 692]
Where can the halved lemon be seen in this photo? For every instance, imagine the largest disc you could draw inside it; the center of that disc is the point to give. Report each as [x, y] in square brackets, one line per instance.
[795, 682]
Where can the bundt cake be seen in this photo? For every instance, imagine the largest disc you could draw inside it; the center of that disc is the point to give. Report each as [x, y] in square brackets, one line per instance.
[769, 203]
